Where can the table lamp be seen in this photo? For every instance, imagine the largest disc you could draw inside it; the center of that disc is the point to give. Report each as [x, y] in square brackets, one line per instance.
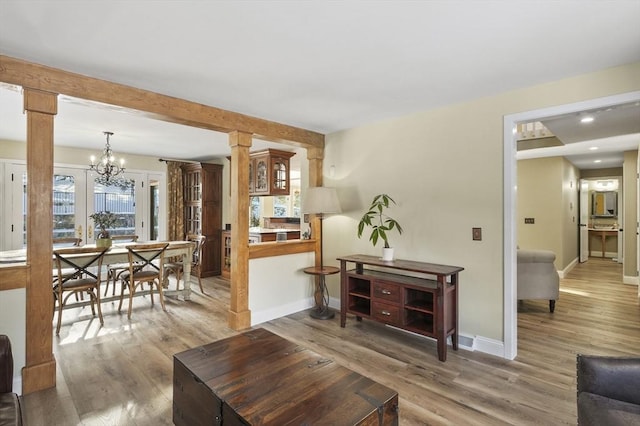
[321, 201]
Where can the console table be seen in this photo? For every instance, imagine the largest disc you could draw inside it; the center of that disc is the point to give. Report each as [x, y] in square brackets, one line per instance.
[603, 234]
[414, 296]
[259, 378]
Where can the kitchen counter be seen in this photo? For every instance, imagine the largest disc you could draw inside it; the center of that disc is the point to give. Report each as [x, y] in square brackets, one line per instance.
[261, 235]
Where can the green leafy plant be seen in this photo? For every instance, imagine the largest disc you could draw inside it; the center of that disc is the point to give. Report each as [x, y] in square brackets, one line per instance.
[378, 220]
[103, 221]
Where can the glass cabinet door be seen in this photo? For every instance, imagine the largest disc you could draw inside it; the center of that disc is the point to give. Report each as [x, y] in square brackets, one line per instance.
[261, 176]
[280, 176]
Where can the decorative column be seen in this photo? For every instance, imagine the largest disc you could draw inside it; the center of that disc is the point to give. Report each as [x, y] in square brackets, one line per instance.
[239, 313]
[40, 369]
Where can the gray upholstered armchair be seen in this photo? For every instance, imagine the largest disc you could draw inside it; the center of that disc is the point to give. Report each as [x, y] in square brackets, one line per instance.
[608, 390]
[10, 410]
[537, 276]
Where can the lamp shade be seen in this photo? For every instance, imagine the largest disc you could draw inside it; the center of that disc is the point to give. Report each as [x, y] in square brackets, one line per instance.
[321, 200]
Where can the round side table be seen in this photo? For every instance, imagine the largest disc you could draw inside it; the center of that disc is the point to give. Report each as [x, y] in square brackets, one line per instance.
[321, 310]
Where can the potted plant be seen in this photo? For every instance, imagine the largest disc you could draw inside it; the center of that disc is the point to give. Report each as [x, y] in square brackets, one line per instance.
[103, 221]
[380, 223]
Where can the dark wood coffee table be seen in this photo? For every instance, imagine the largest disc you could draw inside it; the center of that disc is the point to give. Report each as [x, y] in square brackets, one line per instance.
[259, 378]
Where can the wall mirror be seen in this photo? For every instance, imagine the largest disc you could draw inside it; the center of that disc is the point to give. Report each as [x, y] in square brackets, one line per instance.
[604, 204]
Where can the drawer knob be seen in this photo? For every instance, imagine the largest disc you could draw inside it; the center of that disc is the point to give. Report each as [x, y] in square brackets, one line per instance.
[387, 313]
[384, 291]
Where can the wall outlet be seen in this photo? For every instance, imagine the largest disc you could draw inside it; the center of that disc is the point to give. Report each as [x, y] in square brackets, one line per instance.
[529, 220]
[476, 234]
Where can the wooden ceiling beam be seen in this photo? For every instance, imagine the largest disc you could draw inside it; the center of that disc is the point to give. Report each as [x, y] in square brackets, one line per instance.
[151, 104]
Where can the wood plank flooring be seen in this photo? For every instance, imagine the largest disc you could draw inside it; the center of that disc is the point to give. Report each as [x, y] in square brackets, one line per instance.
[121, 373]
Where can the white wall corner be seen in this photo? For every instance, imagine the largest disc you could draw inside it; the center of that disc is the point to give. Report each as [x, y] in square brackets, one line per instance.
[281, 311]
[563, 273]
[334, 303]
[489, 346]
[17, 384]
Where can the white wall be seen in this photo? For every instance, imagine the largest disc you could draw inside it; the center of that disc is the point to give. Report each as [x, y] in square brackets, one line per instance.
[444, 167]
[278, 287]
[13, 324]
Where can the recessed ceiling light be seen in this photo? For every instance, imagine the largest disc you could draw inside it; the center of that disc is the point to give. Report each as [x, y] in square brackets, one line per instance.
[586, 119]
[593, 148]
[597, 161]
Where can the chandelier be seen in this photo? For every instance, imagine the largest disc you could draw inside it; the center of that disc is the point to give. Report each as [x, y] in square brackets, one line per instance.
[106, 167]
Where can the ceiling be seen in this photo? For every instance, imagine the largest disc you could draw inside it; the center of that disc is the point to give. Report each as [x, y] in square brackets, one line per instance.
[596, 144]
[323, 66]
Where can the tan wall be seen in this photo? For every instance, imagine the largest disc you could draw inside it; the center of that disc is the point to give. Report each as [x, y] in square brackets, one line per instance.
[540, 197]
[12, 150]
[630, 194]
[548, 192]
[570, 214]
[445, 168]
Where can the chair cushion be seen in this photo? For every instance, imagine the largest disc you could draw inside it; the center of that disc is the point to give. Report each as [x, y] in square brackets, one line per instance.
[141, 275]
[10, 410]
[599, 410]
[79, 283]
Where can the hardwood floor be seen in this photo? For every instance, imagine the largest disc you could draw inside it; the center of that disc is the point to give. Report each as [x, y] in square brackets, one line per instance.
[121, 373]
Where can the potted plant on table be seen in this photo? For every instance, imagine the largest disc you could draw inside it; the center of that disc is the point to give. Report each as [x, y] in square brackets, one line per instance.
[103, 221]
[380, 224]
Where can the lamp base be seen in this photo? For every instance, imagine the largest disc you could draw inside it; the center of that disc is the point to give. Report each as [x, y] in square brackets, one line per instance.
[321, 309]
[322, 314]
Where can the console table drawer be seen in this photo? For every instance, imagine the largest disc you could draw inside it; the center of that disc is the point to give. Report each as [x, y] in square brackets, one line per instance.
[387, 291]
[386, 313]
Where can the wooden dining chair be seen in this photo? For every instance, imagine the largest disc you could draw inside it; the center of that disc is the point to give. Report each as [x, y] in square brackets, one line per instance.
[60, 242]
[177, 268]
[86, 263]
[114, 270]
[146, 264]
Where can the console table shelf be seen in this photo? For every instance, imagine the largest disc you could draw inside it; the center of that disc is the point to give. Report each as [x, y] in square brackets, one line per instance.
[415, 296]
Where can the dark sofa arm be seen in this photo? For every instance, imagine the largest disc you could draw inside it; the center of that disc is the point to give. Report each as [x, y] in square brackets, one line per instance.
[611, 377]
[6, 365]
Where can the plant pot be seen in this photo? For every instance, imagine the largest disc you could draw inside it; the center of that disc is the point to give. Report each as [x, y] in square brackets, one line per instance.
[387, 254]
[103, 242]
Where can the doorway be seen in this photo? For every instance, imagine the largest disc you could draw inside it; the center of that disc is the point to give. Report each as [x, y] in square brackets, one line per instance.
[601, 218]
[510, 122]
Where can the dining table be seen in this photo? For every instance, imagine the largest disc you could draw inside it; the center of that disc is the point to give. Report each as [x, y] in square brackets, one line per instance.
[118, 253]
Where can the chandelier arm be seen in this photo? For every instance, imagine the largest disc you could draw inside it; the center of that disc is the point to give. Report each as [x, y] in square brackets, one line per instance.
[106, 166]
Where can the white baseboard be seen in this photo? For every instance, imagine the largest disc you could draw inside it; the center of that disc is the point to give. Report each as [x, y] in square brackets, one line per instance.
[629, 279]
[466, 342]
[489, 346]
[607, 254]
[569, 267]
[258, 317]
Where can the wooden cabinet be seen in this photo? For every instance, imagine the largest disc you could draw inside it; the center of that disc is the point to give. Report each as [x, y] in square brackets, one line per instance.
[424, 302]
[226, 255]
[203, 210]
[269, 172]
